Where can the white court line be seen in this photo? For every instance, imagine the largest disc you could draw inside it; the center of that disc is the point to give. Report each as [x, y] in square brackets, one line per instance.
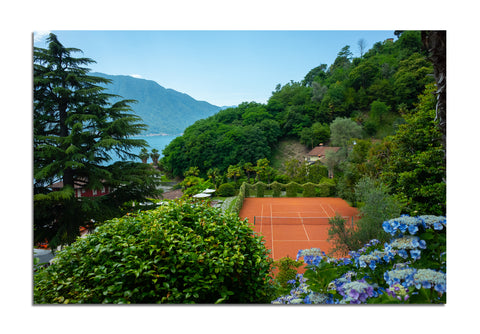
[327, 215]
[271, 228]
[295, 240]
[334, 212]
[301, 220]
[261, 223]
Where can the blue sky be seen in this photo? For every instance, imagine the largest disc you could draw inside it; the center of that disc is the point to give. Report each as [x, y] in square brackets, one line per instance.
[222, 67]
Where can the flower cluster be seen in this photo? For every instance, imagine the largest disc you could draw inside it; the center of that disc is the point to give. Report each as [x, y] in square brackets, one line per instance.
[428, 278]
[318, 298]
[402, 275]
[370, 259]
[314, 256]
[346, 278]
[296, 294]
[398, 291]
[302, 294]
[311, 256]
[407, 243]
[418, 278]
[363, 257]
[399, 276]
[435, 222]
[356, 292]
[413, 224]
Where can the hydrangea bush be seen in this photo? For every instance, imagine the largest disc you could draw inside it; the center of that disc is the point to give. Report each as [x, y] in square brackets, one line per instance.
[411, 268]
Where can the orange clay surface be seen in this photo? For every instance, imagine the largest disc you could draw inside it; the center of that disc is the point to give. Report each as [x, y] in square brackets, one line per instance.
[287, 240]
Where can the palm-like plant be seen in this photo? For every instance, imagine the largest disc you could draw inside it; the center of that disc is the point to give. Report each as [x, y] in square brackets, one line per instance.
[155, 155]
[144, 155]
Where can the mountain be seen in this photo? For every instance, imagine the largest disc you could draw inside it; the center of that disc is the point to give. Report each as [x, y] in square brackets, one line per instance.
[164, 110]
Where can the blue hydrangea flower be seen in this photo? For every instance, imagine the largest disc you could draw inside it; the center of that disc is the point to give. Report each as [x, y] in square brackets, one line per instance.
[403, 253]
[415, 253]
[412, 229]
[387, 227]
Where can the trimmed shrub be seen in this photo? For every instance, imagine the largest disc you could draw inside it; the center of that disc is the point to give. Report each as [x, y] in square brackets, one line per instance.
[246, 187]
[226, 190]
[323, 190]
[183, 252]
[309, 190]
[292, 189]
[277, 189]
[240, 198]
[260, 189]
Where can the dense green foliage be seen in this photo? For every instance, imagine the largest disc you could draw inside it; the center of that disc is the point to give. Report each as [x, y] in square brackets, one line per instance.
[226, 190]
[231, 137]
[372, 90]
[76, 129]
[182, 252]
[286, 271]
[164, 110]
[416, 167]
[376, 205]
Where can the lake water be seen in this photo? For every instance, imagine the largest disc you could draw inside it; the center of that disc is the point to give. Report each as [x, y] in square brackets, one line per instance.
[158, 142]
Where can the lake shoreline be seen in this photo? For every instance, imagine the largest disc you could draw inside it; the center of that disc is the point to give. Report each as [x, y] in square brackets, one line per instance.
[158, 134]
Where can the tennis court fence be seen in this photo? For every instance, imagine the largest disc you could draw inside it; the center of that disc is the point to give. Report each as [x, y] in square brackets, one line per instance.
[269, 220]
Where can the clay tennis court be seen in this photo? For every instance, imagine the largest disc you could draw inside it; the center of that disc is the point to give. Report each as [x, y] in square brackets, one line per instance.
[288, 225]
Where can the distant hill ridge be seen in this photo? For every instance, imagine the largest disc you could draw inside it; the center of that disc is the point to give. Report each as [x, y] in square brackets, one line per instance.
[165, 111]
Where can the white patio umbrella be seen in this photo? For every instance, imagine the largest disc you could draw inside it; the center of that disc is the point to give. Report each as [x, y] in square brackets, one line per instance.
[201, 195]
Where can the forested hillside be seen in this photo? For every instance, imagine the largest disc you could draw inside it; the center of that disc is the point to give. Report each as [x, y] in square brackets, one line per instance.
[377, 92]
[163, 110]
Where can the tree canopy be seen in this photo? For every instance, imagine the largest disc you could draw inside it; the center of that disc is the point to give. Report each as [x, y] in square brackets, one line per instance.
[76, 130]
[373, 90]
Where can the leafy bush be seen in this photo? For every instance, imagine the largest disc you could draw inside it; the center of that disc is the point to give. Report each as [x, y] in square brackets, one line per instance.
[341, 235]
[226, 190]
[411, 268]
[317, 172]
[287, 270]
[183, 252]
[282, 178]
[194, 185]
[376, 206]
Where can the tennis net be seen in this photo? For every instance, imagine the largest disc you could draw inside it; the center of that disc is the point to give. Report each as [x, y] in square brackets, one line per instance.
[269, 220]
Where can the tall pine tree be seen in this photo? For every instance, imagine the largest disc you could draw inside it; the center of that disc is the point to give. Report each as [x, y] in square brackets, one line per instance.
[76, 130]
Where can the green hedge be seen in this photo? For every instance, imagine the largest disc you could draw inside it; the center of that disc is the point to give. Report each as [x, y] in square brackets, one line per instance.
[277, 189]
[183, 252]
[309, 190]
[240, 198]
[260, 186]
[293, 189]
